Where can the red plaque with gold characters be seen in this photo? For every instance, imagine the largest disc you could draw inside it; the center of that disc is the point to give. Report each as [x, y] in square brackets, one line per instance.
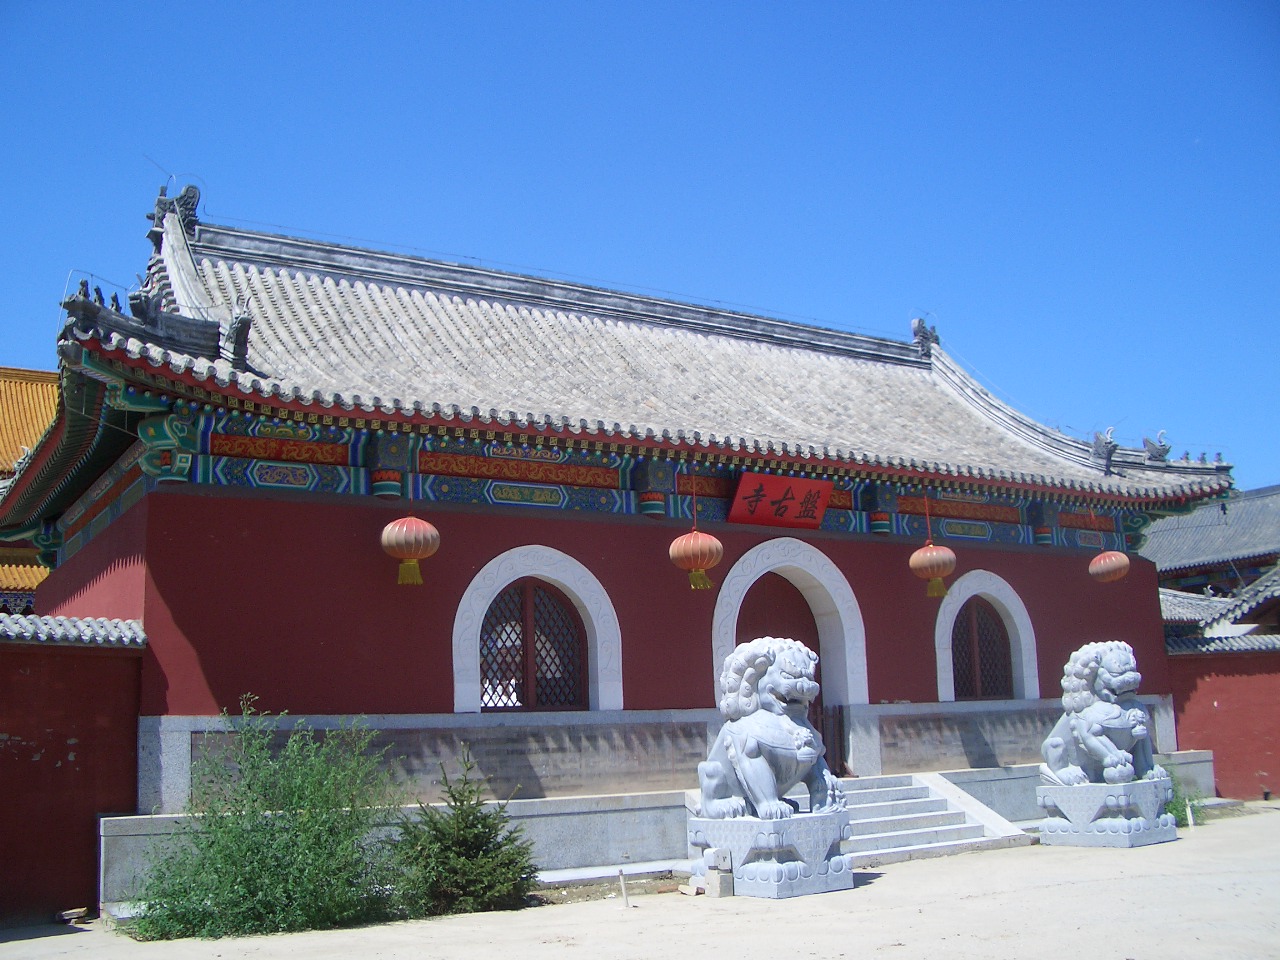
[775, 501]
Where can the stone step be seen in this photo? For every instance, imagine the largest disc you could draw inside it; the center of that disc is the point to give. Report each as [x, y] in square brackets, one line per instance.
[881, 794]
[929, 836]
[855, 784]
[877, 858]
[911, 821]
[896, 808]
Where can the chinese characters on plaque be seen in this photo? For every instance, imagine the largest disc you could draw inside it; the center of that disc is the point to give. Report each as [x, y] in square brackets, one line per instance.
[777, 501]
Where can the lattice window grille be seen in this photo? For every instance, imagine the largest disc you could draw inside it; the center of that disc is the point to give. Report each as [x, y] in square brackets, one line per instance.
[981, 660]
[532, 651]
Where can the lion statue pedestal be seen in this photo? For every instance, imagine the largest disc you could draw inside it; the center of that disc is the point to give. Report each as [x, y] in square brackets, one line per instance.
[746, 837]
[1103, 787]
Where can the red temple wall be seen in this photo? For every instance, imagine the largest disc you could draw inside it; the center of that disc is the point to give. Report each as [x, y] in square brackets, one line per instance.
[1230, 704]
[106, 578]
[292, 599]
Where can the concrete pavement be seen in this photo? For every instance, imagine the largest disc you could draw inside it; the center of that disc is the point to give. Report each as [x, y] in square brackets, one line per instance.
[1215, 892]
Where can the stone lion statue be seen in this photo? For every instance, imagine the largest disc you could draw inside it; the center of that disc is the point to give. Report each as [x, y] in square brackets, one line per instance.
[1103, 736]
[767, 745]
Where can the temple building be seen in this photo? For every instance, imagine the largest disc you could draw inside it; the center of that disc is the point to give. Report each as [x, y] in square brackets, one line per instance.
[230, 443]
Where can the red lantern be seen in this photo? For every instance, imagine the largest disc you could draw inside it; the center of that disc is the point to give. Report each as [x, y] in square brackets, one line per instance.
[1109, 566]
[933, 563]
[697, 552]
[410, 540]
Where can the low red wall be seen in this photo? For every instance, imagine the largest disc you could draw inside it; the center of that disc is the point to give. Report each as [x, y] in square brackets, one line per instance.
[1230, 704]
[293, 599]
[68, 754]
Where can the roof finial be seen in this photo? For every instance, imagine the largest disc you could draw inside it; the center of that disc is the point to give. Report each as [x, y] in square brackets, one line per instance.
[924, 337]
[1157, 450]
[184, 205]
[1104, 448]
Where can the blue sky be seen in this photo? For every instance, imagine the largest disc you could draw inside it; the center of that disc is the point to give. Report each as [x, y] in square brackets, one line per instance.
[1083, 197]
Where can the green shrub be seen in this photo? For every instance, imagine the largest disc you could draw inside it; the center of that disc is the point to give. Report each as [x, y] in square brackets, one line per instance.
[466, 857]
[1182, 795]
[285, 840]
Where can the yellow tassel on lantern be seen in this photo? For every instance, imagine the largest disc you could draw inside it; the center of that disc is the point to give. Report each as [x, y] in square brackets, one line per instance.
[936, 588]
[410, 573]
[698, 580]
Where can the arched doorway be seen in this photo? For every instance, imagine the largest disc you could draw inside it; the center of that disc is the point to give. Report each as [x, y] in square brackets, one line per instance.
[842, 637]
[774, 607]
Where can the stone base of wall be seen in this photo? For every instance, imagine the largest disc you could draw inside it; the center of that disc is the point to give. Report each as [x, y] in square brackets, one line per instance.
[919, 737]
[523, 756]
[530, 756]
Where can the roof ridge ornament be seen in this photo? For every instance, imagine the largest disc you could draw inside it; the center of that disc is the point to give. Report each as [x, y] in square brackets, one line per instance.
[1104, 448]
[1157, 449]
[184, 205]
[924, 337]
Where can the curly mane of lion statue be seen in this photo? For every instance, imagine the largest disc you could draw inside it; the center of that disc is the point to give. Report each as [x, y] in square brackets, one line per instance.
[1103, 734]
[767, 744]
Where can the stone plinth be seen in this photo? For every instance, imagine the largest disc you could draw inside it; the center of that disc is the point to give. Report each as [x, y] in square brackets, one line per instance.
[1107, 815]
[774, 858]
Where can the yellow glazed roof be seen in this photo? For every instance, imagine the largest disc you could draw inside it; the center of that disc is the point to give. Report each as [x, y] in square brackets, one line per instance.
[28, 402]
[18, 577]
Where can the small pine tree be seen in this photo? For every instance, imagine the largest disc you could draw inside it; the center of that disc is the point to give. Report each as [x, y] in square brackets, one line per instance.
[466, 857]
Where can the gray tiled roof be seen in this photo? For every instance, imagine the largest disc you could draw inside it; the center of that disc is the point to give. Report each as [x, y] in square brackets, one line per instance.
[1179, 607]
[1263, 590]
[1248, 643]
[343, 329]
[74, 631]
[1249, 527]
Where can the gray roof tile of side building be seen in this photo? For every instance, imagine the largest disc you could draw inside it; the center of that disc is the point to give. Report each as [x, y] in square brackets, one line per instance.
[72, 631]
[1177, 606]
[1245, 525]
[342, 329]
[1247, 643]
[1263, 590]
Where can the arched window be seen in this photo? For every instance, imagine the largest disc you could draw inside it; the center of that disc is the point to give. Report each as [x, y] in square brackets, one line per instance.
[981, 663]
[532, 650]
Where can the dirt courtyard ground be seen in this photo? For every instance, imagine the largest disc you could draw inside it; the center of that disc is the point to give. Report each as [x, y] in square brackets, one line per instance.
[1215, 892]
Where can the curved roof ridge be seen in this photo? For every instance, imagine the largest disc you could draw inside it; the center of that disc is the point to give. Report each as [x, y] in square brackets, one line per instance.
[382, 268]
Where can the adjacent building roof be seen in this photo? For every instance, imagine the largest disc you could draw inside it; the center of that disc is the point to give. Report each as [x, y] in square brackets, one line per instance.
[1245, 525]
[333, 329]
[1179, 607]
[28, 401]
[1260, 593]
[71, 631]
[1246, 643]
[21, 577]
